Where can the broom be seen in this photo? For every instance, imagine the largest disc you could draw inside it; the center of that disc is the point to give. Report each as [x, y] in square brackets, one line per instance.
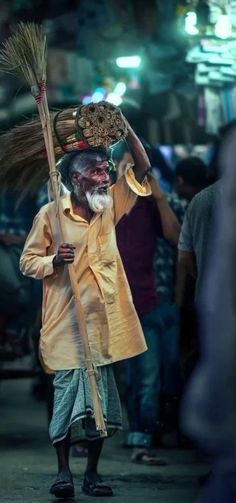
[24, 55]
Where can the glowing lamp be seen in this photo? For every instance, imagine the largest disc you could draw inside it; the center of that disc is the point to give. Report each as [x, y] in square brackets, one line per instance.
[113, 98]
[120, 88]
[223, 28]
[190, 23]
[98, 95]
[87, 99]
[128, 61]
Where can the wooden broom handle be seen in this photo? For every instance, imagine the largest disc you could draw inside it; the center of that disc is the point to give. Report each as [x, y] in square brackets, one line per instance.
[91, 369]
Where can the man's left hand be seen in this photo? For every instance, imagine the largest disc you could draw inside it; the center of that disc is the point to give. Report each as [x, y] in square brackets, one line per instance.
[157, 192]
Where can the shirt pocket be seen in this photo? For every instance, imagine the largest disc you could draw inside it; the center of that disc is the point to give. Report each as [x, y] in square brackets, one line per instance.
[107, 248]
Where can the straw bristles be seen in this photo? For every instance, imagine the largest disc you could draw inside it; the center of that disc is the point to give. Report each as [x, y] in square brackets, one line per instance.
[24, 55]
[23, 159]
[28, 179]
[25, 142]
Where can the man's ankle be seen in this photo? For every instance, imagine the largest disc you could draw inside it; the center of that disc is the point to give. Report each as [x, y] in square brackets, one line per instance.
[91, 473]
[64, 470]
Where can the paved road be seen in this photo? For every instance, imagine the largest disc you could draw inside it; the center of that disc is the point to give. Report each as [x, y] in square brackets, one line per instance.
[27, 462]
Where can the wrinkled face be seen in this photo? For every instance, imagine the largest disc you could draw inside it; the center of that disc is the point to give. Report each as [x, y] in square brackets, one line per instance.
[92, 182]
[95, 177]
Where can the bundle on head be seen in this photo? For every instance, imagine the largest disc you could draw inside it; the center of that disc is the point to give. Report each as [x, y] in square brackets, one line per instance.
[22, 149]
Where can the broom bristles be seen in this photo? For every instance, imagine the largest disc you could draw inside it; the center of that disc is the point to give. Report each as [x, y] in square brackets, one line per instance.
[24, 54]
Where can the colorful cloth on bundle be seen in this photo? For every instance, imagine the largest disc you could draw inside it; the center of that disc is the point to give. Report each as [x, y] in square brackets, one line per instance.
[73, 405]
[166, 255]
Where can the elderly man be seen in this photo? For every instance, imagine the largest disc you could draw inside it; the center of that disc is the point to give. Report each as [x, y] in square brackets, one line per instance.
[91, 210]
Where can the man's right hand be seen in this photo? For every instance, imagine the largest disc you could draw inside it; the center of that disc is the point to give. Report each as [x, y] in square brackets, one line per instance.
[65, 255]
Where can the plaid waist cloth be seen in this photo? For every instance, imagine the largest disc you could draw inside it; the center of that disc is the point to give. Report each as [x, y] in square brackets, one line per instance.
[73, 406]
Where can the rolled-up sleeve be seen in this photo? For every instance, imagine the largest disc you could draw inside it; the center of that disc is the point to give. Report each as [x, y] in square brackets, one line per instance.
[125, 192]
[37, 258]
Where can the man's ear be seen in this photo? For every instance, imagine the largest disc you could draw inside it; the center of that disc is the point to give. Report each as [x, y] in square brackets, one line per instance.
[75, 176]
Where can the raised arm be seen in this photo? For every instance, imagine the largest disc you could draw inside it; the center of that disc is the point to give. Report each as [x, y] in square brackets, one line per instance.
[141, 160]
[170, 225]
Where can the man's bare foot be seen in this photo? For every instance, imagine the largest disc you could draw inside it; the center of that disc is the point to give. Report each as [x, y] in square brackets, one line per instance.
[146, 457]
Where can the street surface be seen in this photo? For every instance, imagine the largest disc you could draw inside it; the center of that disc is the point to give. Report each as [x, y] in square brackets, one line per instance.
[28, 462]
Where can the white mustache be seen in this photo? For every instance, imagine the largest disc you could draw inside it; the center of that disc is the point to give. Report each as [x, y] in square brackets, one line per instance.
[99, 188]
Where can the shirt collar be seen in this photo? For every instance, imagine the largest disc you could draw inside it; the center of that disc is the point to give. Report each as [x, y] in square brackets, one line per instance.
[66, 202]
[68, 208]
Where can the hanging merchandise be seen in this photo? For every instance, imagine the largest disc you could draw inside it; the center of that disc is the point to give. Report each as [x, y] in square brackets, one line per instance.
[216, 18]
[215, 58]
[228, 102]
[214, 110]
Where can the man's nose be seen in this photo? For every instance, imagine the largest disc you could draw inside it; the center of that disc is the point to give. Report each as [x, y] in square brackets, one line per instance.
[105, 176]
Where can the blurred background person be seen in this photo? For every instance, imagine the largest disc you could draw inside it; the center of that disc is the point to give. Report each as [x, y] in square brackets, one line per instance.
[209, 408]
[17, 302]
[136, 237]
[193, 251]
[190, 178]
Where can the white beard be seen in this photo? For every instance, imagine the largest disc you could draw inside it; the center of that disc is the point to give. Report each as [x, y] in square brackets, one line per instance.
[99, 201]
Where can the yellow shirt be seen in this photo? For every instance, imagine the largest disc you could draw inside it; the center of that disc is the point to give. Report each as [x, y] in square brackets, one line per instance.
[113, 328]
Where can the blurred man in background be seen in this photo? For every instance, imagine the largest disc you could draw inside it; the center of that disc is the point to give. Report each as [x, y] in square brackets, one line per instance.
[209, 408]
[190, 178]
[136, 237]
[18, 304]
